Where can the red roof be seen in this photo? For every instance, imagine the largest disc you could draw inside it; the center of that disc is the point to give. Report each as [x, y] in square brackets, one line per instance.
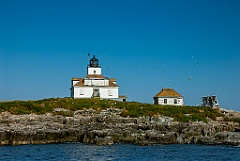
[111, 84]
[168, 92]
[81, 82]
[76, 79]
[92, 76]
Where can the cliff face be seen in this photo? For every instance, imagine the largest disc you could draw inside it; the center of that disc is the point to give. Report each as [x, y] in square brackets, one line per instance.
[108, 127]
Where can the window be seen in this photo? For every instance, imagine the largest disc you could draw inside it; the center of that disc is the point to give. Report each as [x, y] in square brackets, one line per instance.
[175, 101]
[81, 91]
[110, 93]
[165, 101]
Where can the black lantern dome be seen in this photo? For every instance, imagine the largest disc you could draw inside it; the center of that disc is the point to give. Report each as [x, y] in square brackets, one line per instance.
[93, 62]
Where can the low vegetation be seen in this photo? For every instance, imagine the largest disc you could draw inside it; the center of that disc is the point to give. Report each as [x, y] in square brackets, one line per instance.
[232, 119]
[129, 109]
[179, 113]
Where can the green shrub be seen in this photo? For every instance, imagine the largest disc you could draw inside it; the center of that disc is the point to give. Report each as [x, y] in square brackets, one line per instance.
[64, 113]
[232, 119]
[130, 109]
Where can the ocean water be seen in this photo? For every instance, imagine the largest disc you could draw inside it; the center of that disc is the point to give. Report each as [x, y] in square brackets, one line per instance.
[122, 152]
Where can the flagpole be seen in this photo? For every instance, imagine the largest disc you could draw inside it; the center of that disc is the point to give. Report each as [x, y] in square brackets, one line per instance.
[89, 57]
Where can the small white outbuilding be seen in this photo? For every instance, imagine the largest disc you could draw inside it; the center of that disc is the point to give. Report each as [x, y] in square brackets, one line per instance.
[168, 96]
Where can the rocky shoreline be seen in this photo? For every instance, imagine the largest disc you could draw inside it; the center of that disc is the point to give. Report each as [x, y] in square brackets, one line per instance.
[107, 127]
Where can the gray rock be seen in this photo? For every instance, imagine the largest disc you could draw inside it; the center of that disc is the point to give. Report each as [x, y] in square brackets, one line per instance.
[108, 127]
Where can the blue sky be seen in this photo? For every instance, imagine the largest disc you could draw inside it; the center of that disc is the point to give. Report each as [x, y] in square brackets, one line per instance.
[192, 46]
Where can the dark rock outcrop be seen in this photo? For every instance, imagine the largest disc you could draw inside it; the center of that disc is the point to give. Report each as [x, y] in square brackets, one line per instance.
[108, 127]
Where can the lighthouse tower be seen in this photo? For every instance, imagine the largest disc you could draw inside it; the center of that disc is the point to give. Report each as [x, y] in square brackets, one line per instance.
[93, 67]
[94, 84]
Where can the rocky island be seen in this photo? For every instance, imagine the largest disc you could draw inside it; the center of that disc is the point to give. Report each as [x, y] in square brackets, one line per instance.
[108, 122]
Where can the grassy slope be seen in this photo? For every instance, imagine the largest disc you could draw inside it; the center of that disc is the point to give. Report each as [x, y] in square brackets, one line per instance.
[131, 109]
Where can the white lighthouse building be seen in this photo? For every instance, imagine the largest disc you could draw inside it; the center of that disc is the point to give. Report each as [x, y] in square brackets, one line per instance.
[94, 84]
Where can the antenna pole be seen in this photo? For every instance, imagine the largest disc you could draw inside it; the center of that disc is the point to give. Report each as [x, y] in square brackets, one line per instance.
[88, 56]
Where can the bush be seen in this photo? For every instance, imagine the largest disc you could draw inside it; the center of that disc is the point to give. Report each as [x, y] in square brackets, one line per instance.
[131, 109]
[232, 119]
[64, 113]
